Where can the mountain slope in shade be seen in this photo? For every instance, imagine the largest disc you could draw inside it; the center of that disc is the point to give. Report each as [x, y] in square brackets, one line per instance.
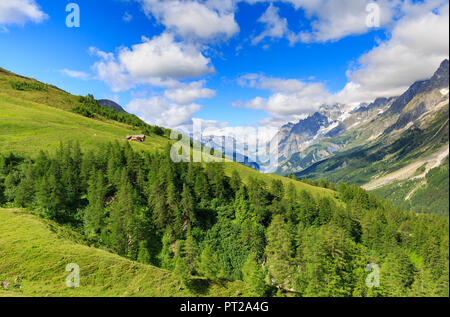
[343, 132]
[361, 125]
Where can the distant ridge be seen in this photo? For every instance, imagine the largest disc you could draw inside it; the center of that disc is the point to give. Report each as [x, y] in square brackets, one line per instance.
[110, 104]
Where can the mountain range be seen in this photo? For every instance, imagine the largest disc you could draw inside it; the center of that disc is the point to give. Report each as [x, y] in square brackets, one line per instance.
[388, 146]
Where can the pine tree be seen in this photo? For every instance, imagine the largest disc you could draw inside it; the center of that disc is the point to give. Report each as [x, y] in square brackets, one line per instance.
[187, 207]
[397, 273]
[25, 191]
[158, 204]
[166, 254]
[235, 181]
[241, 206]
[201, 187]
[258, 198]
[191, 250]
[279, 252]
[12, 180]
[122, 212]
[209, 264]
[181, 272]
[144, 254]
[94, 213]
[308, 211]
[254, 277]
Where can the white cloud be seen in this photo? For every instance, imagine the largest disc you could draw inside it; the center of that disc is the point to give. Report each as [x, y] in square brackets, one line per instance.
[281, 104]
[335, 19]
[160, 61]
[272, 84]
[330, 20]
[418, 44]
[162, 57]
[193, 19]
[188, 93]
[275, 26]
[127, 17]
[160, 111]
[20, 11]
[290, 96]
[75, 74]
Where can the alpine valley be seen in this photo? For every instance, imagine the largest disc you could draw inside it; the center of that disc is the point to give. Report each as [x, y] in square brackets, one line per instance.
[396, 147]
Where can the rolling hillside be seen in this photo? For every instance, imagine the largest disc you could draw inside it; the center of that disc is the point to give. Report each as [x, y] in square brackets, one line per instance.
[34, 254]
[36, 120]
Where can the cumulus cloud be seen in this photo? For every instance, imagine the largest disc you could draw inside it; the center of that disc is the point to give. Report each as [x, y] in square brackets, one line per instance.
[418, 44]
[335, 19]
[275, 26]
[330, 20]
[75, 74]
[273, 84]
[290, 96]
[193, 19]
[160, 61]
[20, 11]
[187, 93]
[160, 111]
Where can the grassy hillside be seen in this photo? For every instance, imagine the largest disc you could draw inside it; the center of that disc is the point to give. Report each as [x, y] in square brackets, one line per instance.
[27, 127]
[34, 253]
[31, 90]
[29, 123]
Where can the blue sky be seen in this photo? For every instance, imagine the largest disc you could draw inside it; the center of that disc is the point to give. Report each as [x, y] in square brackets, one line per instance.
[229, 63]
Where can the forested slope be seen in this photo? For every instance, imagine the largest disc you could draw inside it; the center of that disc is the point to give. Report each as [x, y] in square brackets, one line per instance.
[194, 220]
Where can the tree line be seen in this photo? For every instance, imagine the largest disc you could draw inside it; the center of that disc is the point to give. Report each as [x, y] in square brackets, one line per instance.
[89, 107]
[193, 219]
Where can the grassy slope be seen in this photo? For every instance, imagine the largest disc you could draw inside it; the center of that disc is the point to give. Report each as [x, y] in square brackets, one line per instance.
[36, 252]
[34, 120]
[29, 122]
[26, 127]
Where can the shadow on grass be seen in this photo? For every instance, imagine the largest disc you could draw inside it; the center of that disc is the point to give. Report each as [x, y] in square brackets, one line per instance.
[200, 286]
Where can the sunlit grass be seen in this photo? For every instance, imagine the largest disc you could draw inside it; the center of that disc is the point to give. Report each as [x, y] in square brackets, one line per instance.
[35, 256]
